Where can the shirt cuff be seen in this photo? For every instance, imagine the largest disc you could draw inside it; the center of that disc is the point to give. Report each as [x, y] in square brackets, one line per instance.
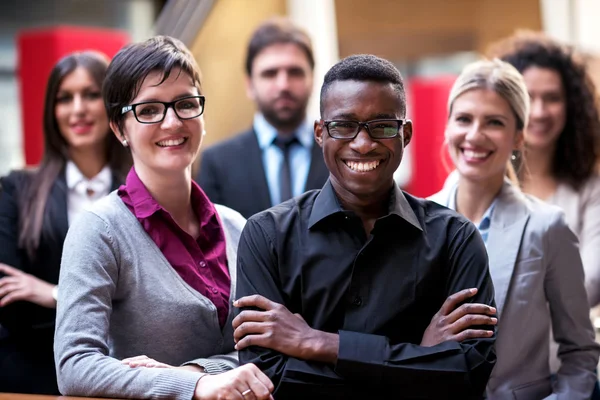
[211, 367]
[361, 354]
[176, 384]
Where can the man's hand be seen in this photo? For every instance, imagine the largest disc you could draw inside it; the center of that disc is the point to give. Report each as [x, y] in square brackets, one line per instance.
[19, 286]
[451, 323]
[276, 328]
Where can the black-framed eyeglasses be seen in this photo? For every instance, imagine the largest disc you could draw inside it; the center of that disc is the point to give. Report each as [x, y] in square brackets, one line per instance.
[377, 128]
[152, 112]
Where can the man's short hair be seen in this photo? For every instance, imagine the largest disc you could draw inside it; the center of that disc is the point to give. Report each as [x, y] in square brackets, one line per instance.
[364, 67]
[278, 30]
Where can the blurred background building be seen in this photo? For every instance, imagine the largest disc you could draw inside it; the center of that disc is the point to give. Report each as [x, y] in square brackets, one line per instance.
[136, 18]
[429, 41]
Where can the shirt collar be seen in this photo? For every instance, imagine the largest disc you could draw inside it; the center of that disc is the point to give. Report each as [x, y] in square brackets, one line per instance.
[327, 204]
[486, 220]
[142, 201]
[144, 205]
[73, 176]
[266, 133]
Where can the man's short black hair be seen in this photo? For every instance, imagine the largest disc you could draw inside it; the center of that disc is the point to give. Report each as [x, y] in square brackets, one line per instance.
[364, 67]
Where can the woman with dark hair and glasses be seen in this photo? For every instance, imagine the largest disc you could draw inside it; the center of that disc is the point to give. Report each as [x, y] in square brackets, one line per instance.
[82, 162]
[562, 141]
[149, 272]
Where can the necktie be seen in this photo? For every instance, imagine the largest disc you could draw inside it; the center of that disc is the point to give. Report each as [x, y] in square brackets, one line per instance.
[285, 178]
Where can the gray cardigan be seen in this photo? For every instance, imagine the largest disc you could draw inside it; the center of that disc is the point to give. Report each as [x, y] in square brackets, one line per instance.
[119, 297]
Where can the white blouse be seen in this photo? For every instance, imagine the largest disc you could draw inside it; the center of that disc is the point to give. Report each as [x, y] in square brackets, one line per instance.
[83, 192]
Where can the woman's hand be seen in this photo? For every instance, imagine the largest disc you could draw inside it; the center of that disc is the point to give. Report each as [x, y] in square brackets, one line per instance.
[147, 362]
[243, 383]
[19, 286]
[144, 361]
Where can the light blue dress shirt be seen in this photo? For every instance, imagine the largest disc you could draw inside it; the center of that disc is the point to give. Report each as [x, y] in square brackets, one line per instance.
[486, 221]
[272, 156]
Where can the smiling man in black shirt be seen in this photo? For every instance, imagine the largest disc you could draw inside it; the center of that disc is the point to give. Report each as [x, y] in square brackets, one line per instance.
[346, 286]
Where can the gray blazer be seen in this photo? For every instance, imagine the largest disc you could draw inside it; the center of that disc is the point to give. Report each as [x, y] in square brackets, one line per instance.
[538, 278]
[582, 212]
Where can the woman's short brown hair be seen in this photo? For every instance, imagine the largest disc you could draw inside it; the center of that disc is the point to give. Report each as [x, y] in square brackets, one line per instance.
[134, 62]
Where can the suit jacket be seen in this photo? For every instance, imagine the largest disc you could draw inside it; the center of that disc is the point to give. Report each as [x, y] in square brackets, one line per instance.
[27, 351]
[24, 318]
[582, 212]
[538, 278]
[232, 174]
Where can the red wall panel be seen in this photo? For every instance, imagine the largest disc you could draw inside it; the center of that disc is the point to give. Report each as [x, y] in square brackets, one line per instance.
[429, 97]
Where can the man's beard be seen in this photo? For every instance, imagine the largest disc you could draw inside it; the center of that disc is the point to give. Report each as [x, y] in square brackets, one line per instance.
[285, 120]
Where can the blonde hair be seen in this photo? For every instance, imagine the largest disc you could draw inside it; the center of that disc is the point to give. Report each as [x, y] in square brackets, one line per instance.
[502, 78]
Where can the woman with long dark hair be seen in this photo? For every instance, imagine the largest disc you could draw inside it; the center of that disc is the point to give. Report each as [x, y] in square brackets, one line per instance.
[82, 162]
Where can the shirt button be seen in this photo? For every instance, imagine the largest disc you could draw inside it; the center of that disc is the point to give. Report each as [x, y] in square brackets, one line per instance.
[202, 264]
[357, 301]
[214, 290]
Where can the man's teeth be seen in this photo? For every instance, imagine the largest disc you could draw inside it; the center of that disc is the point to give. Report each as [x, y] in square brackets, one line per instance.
[362, 166]
[475, 154]
[172, 142]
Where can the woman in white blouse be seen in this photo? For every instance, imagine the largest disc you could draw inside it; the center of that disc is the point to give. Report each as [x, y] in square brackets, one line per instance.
[82, 162]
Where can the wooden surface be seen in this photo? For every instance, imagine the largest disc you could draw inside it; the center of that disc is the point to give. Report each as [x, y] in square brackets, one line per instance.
[15, 396]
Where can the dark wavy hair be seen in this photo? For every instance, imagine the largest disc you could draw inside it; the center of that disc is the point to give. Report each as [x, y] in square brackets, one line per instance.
[56, 149]
[578, 147]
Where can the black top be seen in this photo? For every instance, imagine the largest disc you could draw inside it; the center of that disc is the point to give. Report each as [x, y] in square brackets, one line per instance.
[26, 355]
[24, 318]
[378, 292]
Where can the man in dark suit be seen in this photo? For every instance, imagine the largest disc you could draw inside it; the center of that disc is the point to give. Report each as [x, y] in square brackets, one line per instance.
[277, 158]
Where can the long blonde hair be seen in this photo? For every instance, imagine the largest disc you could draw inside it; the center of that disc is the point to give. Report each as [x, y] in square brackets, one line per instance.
[503, 79]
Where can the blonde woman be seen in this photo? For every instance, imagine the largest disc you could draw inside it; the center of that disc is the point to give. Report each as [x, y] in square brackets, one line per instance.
[534, 259]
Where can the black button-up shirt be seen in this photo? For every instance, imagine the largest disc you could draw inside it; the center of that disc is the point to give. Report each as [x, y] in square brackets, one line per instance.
[378, 292]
